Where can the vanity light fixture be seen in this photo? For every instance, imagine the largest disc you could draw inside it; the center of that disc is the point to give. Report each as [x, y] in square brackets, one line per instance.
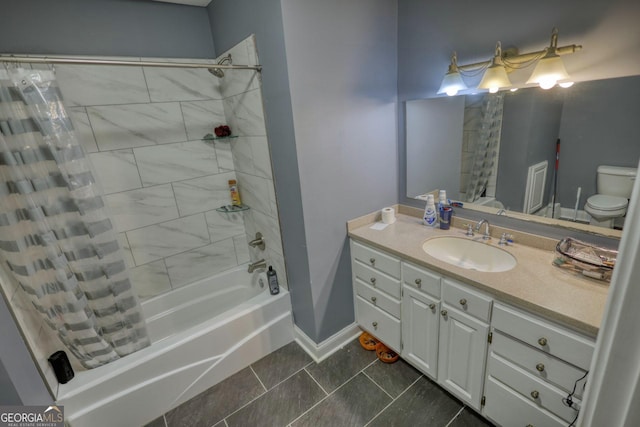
[550, 68]
[495, 76]
[452, 81]
[548, 72]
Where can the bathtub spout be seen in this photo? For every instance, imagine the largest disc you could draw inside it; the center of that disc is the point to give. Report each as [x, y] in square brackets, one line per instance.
[258, 264]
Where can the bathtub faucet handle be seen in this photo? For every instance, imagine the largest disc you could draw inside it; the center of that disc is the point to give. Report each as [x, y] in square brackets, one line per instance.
[255, 265]
[258, 242]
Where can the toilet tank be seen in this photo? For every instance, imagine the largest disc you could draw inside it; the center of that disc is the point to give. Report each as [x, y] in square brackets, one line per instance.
[615, 180]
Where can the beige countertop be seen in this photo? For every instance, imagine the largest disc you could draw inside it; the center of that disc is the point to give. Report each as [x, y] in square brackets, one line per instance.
[534, 284]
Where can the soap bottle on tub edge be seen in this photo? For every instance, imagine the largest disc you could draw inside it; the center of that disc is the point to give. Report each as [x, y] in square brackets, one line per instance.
[272, 279]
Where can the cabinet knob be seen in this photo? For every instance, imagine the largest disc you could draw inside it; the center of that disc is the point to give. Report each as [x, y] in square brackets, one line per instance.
[540, 367]
[432, 306]
[444, 313]
[375, 325]
[463, 301]
[535, 394]
[373, 281]
[373, 299]
[372, 260]
[542, 341]
[418, 282]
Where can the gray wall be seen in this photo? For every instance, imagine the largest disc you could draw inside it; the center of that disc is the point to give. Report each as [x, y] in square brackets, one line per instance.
[342, 70]
[105, 27]
[20, 380]
[428, 31]
[8, 393]
[342, 163]
[232, 21]
[530, 128]
[434, 145]
[600, 126]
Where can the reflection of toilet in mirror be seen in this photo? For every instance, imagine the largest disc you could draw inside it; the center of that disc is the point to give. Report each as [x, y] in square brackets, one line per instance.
[613, 185]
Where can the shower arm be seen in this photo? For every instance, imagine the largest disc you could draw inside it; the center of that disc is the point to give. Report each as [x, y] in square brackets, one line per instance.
[60, 60]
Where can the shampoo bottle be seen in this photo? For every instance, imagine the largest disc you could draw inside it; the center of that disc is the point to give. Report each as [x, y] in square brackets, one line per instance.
[235, 194]
[430, 217]
[272, 278]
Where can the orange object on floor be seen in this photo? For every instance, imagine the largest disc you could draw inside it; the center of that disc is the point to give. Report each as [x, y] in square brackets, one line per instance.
[385, 354]
[368, 341]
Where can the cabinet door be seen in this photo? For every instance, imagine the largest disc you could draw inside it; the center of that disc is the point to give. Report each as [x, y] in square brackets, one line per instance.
[420, 328]
[378, 323]
[462, 355]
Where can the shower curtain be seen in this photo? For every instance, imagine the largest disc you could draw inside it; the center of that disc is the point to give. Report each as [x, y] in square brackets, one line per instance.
[56, 239]
[485, 156]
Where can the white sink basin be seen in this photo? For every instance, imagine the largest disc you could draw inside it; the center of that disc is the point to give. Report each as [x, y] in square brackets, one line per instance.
[469, 254]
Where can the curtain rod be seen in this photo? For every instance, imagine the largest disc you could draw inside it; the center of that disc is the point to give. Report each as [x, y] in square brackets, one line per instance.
[56, 60]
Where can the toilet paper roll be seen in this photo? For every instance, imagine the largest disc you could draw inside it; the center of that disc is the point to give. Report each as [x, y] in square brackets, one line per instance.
[388, 215]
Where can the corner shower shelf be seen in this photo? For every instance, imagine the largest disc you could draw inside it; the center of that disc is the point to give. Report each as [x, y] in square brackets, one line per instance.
[232, 208]
[211, 137]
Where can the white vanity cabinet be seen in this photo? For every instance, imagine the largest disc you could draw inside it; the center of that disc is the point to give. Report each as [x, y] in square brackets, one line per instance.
[403, 305]
[377, 291]
[512, 366]
[464, 331]
[420, 318]
[533, 365]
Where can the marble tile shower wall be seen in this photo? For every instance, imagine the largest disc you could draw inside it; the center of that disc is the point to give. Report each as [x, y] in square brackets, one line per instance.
[143, 128]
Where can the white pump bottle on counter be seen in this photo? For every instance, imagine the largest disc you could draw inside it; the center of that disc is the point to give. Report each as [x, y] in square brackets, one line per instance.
[430, 216]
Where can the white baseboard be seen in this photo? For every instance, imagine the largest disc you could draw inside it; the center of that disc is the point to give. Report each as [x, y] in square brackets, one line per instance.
[326, 348]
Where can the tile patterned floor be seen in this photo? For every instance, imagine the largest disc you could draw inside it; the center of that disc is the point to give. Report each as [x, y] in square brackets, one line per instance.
[350, 388]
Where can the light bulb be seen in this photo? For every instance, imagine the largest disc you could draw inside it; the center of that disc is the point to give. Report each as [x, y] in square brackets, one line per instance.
[547, 83]
[566, 84]
[452, 91]
[513, 89]
[493, 89]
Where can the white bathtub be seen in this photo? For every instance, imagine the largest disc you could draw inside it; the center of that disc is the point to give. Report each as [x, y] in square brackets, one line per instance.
[201, 334]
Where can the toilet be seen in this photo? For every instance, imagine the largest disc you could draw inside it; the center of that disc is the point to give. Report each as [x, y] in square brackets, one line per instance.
[614, 185]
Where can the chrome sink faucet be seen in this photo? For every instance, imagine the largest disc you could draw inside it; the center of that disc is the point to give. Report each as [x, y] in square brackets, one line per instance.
[486, 235]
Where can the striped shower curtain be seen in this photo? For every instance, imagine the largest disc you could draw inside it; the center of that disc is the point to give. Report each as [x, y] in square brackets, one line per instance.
[485, 156]
[56, 239]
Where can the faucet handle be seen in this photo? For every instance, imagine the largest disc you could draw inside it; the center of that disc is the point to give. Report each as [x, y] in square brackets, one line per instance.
[506, 239]
[469, 230]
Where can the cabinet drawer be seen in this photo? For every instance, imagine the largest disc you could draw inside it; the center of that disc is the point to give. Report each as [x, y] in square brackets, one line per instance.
[507, 408]
[378, 323]
[543, 335]
[376, 259]
[466, 300]
[540, 364]
[377, 298]
[421, 279]
[376, 279]
[537, 391]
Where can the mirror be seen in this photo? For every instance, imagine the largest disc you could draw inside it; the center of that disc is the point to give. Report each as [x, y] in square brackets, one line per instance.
[498, 151]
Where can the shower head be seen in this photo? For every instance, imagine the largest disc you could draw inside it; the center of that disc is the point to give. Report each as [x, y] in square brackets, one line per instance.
[218, 71]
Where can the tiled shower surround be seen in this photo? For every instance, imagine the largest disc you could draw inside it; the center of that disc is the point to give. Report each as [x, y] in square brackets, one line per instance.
[143, 128]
